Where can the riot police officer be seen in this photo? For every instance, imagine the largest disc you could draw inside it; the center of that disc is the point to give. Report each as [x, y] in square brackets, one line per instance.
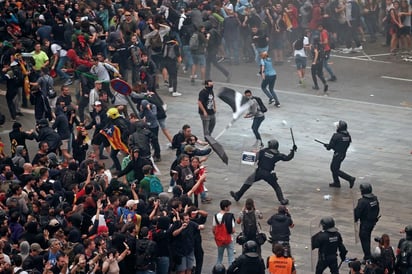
[339, 142]
[404, 257]
[249, 262]
[267, 159]
[328, 241]
[367, 211]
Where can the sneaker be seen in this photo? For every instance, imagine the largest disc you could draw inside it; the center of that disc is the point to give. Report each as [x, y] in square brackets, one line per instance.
[233, 194]
[19, 114]
[176, 94]
[271, 101]
[332, 79]
[221, 59]
[157, 159]
[166, 83]
[347, 50]
[358, 49]
[277, 105]
[300, 82]
[170, 189]
[68, 82]
[325, 88]
[164, 106]
[284, 202]
[170, 89]
[169, 145]
[337, 185]
[103, 157]
[206, 201]
[192, 80]
[205, 189]
[315, 87]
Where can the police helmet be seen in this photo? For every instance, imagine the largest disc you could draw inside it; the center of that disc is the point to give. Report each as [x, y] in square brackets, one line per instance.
[113, 113]
[408, 230]
[328, 224]
[219, 269]
[366, 189]
[273, 144]
[342, 126]
[250, 248]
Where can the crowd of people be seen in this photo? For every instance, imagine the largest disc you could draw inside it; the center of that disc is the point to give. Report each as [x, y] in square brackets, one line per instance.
[62, 211]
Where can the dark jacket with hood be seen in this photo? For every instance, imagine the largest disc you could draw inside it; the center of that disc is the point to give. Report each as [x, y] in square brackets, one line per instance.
[280, 227]
[47, 134]
[62, 124]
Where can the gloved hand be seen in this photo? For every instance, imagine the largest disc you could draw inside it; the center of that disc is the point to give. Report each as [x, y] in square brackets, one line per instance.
[343, 258]
[294, 148]
[326, 146]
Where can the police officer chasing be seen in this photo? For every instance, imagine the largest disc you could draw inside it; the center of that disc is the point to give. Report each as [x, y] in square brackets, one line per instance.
[267, 159]
[328, 241]
[339, 142]
[367, 211]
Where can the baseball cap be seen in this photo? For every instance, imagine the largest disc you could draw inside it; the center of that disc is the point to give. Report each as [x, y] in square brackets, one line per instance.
[36, 247]
[97, 103]
[98, 82]
[131, 203]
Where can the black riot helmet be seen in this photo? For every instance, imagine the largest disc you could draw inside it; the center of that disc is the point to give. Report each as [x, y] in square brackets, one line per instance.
[408, 230]
[328, 224]
[342, 126]
[273, 144]
[250, 247]
[219, 269]
[366, 189]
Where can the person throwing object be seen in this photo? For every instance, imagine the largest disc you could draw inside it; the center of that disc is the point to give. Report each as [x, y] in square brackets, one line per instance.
[267, 158]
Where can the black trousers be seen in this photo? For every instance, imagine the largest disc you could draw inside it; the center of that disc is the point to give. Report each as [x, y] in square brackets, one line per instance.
[270, 178]
[335, 168]
[211, 59]
[332, 263]
[317, 70]
[365, 232]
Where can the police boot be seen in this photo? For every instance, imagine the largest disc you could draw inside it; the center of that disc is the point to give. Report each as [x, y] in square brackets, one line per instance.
[239, 194]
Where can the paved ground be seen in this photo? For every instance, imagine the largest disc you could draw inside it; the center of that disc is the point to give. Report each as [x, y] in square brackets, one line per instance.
[380, 154]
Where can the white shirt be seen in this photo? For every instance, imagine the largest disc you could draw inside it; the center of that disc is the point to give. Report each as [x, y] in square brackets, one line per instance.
[56, 48]
[302, 51]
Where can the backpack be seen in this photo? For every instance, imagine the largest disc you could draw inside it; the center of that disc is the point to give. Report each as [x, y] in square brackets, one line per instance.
[355, 10]
[262, 106]
[169, 51]
[194, 41]
[145, 249]
[249, 224]
[18, 75]
[155, 184]
[51, 93]
[222, 236]
[298, 44]
[387, 258]
[405, 255]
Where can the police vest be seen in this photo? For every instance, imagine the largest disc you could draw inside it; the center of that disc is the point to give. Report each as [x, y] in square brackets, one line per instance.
[280, 265]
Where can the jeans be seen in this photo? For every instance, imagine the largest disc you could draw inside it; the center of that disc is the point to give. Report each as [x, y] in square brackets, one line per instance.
[230, 253]
[60, 64]
[232, 50]
[326, 65]
[270, 81]
[208, 123]
[187, 57]
[255, 126]
[162, 265]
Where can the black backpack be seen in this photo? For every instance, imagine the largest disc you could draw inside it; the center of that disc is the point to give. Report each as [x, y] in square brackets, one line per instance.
[145, 252]
[298, 44]
[249, 225]
[405, 255]
[262, 106]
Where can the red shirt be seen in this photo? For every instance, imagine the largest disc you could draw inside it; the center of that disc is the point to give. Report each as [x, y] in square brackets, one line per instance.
[324, 36]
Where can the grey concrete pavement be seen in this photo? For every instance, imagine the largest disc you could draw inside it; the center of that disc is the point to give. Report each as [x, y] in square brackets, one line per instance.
[379, 154]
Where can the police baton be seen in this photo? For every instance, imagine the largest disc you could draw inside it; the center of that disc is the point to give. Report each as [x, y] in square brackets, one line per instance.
[320, 142]
[293, 138]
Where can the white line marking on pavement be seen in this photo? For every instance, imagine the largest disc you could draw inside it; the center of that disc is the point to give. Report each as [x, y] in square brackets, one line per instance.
[396, 78]
[361, 58]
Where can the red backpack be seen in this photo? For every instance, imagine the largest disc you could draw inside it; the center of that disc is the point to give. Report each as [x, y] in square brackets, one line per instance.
[222, 236]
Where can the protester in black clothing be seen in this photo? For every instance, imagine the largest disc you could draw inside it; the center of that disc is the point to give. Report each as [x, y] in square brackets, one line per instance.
[207, 108]
[18, 137]
[212, 49]
[249, 262]
[162, 235]
[267, 158]
[328, 242]
[98, 122]
[404, 258]
[46, 133]
[200, 217]
[367, 211]
[280, 224]
[136, 164]
[340, 143]
[318, 56]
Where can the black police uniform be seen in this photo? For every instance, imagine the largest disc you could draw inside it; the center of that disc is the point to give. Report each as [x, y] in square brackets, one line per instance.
[367, 211]
[328, 242]
[248, 263]
[267, 158]
[339, 142]
[404, 261]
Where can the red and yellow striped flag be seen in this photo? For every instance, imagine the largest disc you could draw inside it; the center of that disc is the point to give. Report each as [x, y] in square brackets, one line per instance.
[113, 135]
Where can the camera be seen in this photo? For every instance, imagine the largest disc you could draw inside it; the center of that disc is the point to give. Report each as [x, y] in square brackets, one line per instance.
[377, 239]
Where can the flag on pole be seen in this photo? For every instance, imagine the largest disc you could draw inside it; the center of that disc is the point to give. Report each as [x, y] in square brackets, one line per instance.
[114, 136]
[237, 101]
